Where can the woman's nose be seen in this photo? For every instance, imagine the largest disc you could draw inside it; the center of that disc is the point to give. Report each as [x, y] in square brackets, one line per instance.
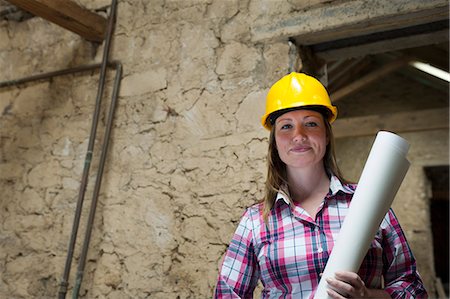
[299, 134]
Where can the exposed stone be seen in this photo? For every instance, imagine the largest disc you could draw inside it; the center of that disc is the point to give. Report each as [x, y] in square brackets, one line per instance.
[277, 55]
[111, 277]
[251, 110]
[44, 175]
[10, 171]
[146, 82]
[236, 29]
[31, 100]
[237, 59]
[157, 49]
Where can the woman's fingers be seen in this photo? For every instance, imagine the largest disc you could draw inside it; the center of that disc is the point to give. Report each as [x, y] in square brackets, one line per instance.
[341, 287]
[335, 295]
[350, 277]
[347, 285]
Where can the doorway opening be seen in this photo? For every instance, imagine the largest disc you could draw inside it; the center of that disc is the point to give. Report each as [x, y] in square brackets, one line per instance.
[439, 215]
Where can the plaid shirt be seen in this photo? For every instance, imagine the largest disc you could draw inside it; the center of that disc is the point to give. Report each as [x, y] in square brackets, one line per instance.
[290, 252]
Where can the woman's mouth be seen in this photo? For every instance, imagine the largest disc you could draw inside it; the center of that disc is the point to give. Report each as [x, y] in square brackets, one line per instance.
[300, 149]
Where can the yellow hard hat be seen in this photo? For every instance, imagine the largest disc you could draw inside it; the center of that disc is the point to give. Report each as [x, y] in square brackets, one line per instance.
[297, 90]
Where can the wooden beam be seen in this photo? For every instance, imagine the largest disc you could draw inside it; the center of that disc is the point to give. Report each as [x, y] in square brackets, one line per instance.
[67, 14]
[408, 121]
[368, 79]
[344, 19]
[337, 78]
[385, 46]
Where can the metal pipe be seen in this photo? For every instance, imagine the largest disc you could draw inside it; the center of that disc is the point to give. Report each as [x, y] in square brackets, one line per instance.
[90, 224]
[82, 260]
[50, 75]
[64, 281]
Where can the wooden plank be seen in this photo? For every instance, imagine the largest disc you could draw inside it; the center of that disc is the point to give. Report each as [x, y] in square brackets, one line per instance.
[344, 19]
[337, 78]
[67, 14]
[368, 79]
[385, 46]
[408, 121]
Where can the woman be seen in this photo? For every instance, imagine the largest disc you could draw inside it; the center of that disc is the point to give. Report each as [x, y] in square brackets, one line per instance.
[286, 239]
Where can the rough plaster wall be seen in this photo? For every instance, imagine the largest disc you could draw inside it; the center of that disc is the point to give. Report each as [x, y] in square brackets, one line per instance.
[187, 152]
[43, 130]
[411, 204]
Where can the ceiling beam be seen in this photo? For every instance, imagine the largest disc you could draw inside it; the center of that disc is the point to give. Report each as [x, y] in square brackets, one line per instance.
[346, 19]
[368, 79]
[69, 15]
[384, 46]
[350, 69]
[408, 121]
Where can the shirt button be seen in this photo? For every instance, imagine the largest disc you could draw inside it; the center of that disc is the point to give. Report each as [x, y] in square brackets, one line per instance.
[320, 250]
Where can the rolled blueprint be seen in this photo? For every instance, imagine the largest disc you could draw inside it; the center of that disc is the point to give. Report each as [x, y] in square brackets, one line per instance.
[380, 180]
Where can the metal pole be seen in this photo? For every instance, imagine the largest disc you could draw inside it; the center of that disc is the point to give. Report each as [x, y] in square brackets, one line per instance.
[82, 260]
[49, 75]
[90, 224]
[64, 280]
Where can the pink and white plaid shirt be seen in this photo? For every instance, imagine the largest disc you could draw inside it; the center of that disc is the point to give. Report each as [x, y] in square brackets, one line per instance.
[289, 253]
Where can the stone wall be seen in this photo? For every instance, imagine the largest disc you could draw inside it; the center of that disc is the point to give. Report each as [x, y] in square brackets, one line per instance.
[187, 152]
[186, 157]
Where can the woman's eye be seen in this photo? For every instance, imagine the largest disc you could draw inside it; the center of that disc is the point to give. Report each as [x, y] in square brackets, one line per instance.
[311, 124]
[286, 126]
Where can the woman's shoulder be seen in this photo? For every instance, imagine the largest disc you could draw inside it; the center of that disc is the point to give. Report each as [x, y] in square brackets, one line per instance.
[253, 215]
[251, 225]
[255, 209]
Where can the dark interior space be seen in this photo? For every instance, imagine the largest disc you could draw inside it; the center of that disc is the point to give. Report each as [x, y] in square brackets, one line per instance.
[439, 212]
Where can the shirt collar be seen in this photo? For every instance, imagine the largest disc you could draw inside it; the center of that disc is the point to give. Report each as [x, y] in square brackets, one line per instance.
[283, 194]
[335, 186]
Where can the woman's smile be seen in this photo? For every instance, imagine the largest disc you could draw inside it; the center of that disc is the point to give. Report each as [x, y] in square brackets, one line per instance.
[300, 149]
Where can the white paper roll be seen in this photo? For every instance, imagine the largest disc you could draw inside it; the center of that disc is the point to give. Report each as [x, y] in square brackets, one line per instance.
[380, 180]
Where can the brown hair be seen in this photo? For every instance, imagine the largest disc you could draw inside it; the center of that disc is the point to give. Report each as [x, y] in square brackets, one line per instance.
[276, 169]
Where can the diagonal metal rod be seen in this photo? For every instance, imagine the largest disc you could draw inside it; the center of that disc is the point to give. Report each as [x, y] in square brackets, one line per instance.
[64, 280]
[87, 164]
[83, 256]
[90, 224]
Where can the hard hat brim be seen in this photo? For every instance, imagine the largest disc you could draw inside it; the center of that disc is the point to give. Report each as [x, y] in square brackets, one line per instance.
[329, 113]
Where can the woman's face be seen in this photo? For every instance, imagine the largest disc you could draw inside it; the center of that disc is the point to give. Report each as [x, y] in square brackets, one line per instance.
[301, 138]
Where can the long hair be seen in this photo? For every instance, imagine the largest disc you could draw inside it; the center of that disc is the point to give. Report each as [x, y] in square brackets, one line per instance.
[276, 169]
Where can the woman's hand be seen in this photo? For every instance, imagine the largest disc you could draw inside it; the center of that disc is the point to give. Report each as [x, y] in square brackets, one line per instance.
[347, 284]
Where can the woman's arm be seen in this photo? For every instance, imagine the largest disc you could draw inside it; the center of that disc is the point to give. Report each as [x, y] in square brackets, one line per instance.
[402, 281]
[239, 271]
